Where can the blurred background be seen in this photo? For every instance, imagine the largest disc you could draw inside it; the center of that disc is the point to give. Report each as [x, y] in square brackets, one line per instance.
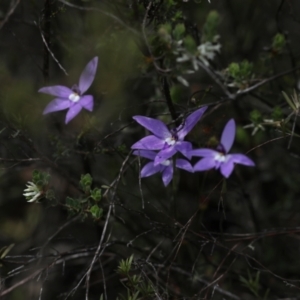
[201, 237]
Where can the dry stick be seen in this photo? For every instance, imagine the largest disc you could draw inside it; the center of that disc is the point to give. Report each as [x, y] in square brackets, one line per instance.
[88, 273]
[158, 68]
[10, 12]
[46, 38]
[221, 264]
[102, 12]
[245, 91]
[169, 101]
[66, 224]
[51, 53]
[97, 253]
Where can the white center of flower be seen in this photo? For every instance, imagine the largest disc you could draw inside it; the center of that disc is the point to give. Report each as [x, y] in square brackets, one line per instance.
[166, 163]
[170, 141]
[74, 97]
[220, 157]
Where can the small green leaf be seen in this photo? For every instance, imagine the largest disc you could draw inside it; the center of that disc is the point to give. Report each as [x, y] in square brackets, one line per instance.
[96, 194]
[73, 204]
[5, 250]
[86, 181]
[96, 211]
[178, 31]
[289, 101]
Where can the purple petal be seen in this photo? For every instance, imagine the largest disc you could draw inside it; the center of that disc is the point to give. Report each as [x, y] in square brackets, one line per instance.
[56, 105]
[73, 112]
[204, 164]
[157, 127]
[167, 174]
[88, 74]
[145, 153]
[227, 168]
[184, 164]
[164, 155]
[184, 148]
[190, 122]
[57, 90]
[203, 152]
[87, 102]
[149, 142]
[228, 135]
[149, 169]
[242, 159]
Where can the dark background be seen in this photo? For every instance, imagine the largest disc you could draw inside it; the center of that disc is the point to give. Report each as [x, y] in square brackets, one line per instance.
[201, 237]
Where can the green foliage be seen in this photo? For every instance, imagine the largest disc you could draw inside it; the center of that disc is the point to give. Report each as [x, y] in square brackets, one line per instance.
[240, 74]
[210, 27]
[125, 266]
[96, 211]
[96, 194]
[137, 287]
[278, 43]
[252, 283]
[256, 117]
[86, 181]
[41, 179]
[89, 204]
[190, 44]
[179, 31]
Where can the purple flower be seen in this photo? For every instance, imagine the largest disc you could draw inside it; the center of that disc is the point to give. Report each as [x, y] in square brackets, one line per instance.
[220, 159]
[73, 99]
[165, 140]
[164, 167]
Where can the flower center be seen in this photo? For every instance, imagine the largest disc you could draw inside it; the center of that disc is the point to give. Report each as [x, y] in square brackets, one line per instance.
[75, 96]
[166, 163]
[170, 141]
[173, 139]
[220, 157]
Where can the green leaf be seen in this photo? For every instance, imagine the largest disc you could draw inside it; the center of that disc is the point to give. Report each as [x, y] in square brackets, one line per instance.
[289, 101]
[74, 204]
[86, 182]
[5, 250]
[278, 42]
[190, 44]
[179, 31]
[96, 211]
[96, 194]
[210, 26]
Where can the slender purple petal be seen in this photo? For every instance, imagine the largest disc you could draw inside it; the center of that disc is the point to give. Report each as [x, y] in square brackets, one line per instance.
[228, 135]
[57, 90]
[184, 164]
[167, 174]
[145, 153]
[184, 148]
[87, 102]
[157, 127]
[203, 152]
[149, 169]
[88, 74]
[164, 155]
[56, 105]
[150, 142]
[226, 168]
[73, 112]
[204, 164]
[242, 159]
[190, 122]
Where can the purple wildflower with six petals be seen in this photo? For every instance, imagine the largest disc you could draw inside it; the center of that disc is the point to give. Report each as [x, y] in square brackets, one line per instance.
[164, 167]
[220, 159]
[165, 140]
[73, 99]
